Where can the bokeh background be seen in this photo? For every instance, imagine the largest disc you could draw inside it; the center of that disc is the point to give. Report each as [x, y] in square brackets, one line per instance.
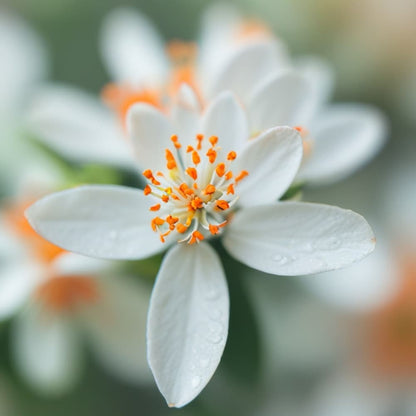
[293, 349]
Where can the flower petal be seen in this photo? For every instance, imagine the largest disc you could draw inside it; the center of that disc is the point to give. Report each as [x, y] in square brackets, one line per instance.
[361, 287]
[150, 132]
[132, 49]
[188, 322]
[23, 61]
[247, 67]
[46, 350]
[295, 238]
[226, 119]
[320, 76]
[272, 161]
[345, 138]
[115, 326]
[106, 221]
[17, 282]
[186, 114]
[77, 126]
[286, 99]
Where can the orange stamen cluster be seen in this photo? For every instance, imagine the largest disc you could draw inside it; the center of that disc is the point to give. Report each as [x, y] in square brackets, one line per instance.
[196, 191]
[65, 293]
[121, 97]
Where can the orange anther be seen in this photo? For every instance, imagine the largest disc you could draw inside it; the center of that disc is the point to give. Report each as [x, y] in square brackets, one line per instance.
[196, 237]
[199, 138]
[230, 189]
[157, 221]
[232, 155]
[148, 174]
[220, 169]
[209, 190]
[181, 228]
[189, 149]
[195, 157]
[174, 138]
[155, 207]
[147, 190]
[172, 221]
[196, 203]
[171, 162]
[165, 198]
[214, 229]
[185, 190]
[212, 155]
[241, 176]
[228, 175]
[192, 173]
[213, 140]
[222, 205]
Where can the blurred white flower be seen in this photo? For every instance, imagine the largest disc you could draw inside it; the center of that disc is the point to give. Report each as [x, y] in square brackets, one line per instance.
[24, 64]
[202, 185]
[233, 54]
[59, 298]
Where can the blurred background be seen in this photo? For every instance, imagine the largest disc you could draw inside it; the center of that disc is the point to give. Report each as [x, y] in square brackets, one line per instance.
[337, 344]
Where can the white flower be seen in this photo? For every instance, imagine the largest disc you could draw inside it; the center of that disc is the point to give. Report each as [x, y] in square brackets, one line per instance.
[58, 298]
[209, 181]
[24, 63]
[233, 54]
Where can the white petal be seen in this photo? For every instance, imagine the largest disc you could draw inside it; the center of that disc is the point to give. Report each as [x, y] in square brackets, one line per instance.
[226, 119]
[47, 351]
[320, 76]
[188, 322]
[345, 138]
[287, 99]
[247, 67]
[116, 327]
[23, 60]
[75, 264]
[17, 282]
[132, 49]
[78, 126]
[363, 286]
[106, 221]
[272, 161]
[186, 113]
[295, 238]
[150, 132]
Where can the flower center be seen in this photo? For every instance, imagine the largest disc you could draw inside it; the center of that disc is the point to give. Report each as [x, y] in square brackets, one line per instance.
[196, 192]
[65, 293]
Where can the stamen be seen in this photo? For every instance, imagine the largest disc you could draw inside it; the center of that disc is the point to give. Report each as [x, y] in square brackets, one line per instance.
[196, 237]
[170, 159]
[220, 169]
[212, 155]
[213, 140]
[232, 155]
[241, 176]
[199, 138]
[209, 190]
[192, 173]
[230, 189]
[155, 207]
[214, 229]
[195, 157]
[222, 204]
[181, 228]
[147, 190]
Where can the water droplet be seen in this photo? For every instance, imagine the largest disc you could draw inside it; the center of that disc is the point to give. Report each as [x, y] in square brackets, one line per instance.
[204, 362]
[280, 259]
[215, 327]
[196, 381]
[215, 314]
[214, 338]
[211, 293]
[330, 243]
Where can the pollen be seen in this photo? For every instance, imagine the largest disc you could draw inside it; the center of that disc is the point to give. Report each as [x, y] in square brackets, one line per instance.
[198, 196]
